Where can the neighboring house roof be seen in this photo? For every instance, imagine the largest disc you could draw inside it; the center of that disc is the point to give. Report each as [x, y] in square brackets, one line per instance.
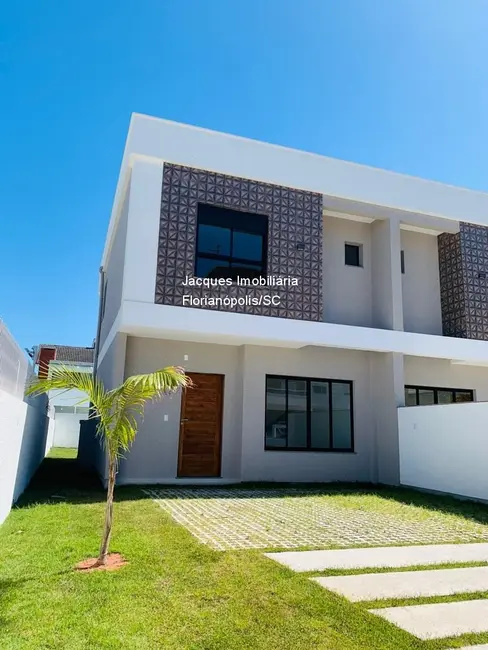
[69, 353]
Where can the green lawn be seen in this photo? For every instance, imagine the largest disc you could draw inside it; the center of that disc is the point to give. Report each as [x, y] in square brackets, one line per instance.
[63, 452]
[175, 594]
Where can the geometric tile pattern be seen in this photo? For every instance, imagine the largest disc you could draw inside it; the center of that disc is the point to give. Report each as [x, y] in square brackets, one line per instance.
[463, 267]
[289, 518]
[474, 249]
[451, 276]
[294, 217]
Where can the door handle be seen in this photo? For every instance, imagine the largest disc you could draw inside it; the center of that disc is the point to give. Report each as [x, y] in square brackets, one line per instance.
[184, 420]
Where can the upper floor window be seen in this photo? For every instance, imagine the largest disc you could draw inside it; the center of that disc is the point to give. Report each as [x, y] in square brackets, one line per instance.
[230, 243]
[426, 395]
[353, 254]
[308, 414]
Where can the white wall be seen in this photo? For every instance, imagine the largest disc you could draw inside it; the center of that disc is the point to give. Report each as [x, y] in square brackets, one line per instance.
[445, 448]
[50, 432]
[154, 454]
[114, 273]
[23, 435]
[261, 465]
[424, 371]
[347, 289]
[67, 429]
[421, 284]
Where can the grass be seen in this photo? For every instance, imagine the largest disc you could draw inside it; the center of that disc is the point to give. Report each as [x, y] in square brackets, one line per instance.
[63, 452]
[175, 594]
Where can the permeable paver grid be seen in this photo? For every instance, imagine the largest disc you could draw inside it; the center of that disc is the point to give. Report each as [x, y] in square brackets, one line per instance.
[241, 518]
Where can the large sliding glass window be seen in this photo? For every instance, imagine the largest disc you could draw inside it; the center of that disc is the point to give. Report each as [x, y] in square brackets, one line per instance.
[426, 395]
[230, 243]
[308, 414]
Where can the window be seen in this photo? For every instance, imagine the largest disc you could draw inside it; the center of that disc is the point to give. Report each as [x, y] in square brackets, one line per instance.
[103, 301]
[308, 414]
[424, 396]
[402, 261]
[230, 243]
[82, 410]
[353, 254]
[64, 409]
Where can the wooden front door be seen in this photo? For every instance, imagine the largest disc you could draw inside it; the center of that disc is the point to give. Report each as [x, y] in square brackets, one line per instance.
[201, 427]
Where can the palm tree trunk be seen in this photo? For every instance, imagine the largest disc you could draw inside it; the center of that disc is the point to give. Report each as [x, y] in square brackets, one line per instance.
[107, 528]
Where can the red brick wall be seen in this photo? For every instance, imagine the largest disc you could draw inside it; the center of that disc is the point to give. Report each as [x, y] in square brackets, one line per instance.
[45, 356]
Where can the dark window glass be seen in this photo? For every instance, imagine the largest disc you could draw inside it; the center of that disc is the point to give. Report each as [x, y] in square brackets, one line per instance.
[208, 268]
[425, 396]
[230, 243]
[410, 397]
[463, 395]
[313, 414]
[402, 261]
[319, 414]
[341, 416]
[352, 255]
[213, 239]
[276, 431]
[297, 413]
[247, 246]
[445, 397]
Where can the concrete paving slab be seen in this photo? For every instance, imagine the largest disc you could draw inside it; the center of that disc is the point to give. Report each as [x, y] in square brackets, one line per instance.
[408, 584]
[440, 620]
[379, 557]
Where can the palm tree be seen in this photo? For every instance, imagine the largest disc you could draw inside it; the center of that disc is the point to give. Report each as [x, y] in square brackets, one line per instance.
[117, 411]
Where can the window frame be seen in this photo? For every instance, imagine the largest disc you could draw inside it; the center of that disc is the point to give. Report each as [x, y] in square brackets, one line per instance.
[436, 390]
[242, 228]
[360, 263]
[309, 380]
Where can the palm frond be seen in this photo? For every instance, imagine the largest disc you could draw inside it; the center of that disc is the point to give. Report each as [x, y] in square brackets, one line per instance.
[63, 377]
[129, 401]
[117, 410]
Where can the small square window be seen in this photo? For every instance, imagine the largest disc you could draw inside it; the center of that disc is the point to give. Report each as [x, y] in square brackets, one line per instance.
[402, 261]
[353, 254]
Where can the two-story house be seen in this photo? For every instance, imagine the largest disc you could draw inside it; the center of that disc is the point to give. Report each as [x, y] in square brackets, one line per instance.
[307, 297]
[68, 406]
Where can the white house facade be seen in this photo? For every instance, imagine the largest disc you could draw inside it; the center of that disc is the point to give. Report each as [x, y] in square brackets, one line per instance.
[308, 298]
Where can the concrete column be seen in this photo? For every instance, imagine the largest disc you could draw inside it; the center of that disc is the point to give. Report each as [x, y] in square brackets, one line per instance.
[141, 251]
[387, 394]
[248, 410]
[386, 276]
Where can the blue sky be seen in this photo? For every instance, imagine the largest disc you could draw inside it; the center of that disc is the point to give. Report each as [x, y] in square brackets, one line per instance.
[400, 84]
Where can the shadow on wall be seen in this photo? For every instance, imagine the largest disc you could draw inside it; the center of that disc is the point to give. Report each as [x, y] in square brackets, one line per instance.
[34, 438]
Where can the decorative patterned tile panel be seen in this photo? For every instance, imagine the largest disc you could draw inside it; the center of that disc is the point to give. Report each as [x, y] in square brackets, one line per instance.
[463, 270]
[294, 217]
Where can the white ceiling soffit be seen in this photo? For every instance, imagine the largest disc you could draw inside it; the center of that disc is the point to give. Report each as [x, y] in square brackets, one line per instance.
[366, 213]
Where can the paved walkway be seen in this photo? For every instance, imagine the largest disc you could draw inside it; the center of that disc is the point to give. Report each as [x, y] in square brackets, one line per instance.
[425, 621]
[408, 584]
[242, 518]
[439, 620]
[388, 557]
